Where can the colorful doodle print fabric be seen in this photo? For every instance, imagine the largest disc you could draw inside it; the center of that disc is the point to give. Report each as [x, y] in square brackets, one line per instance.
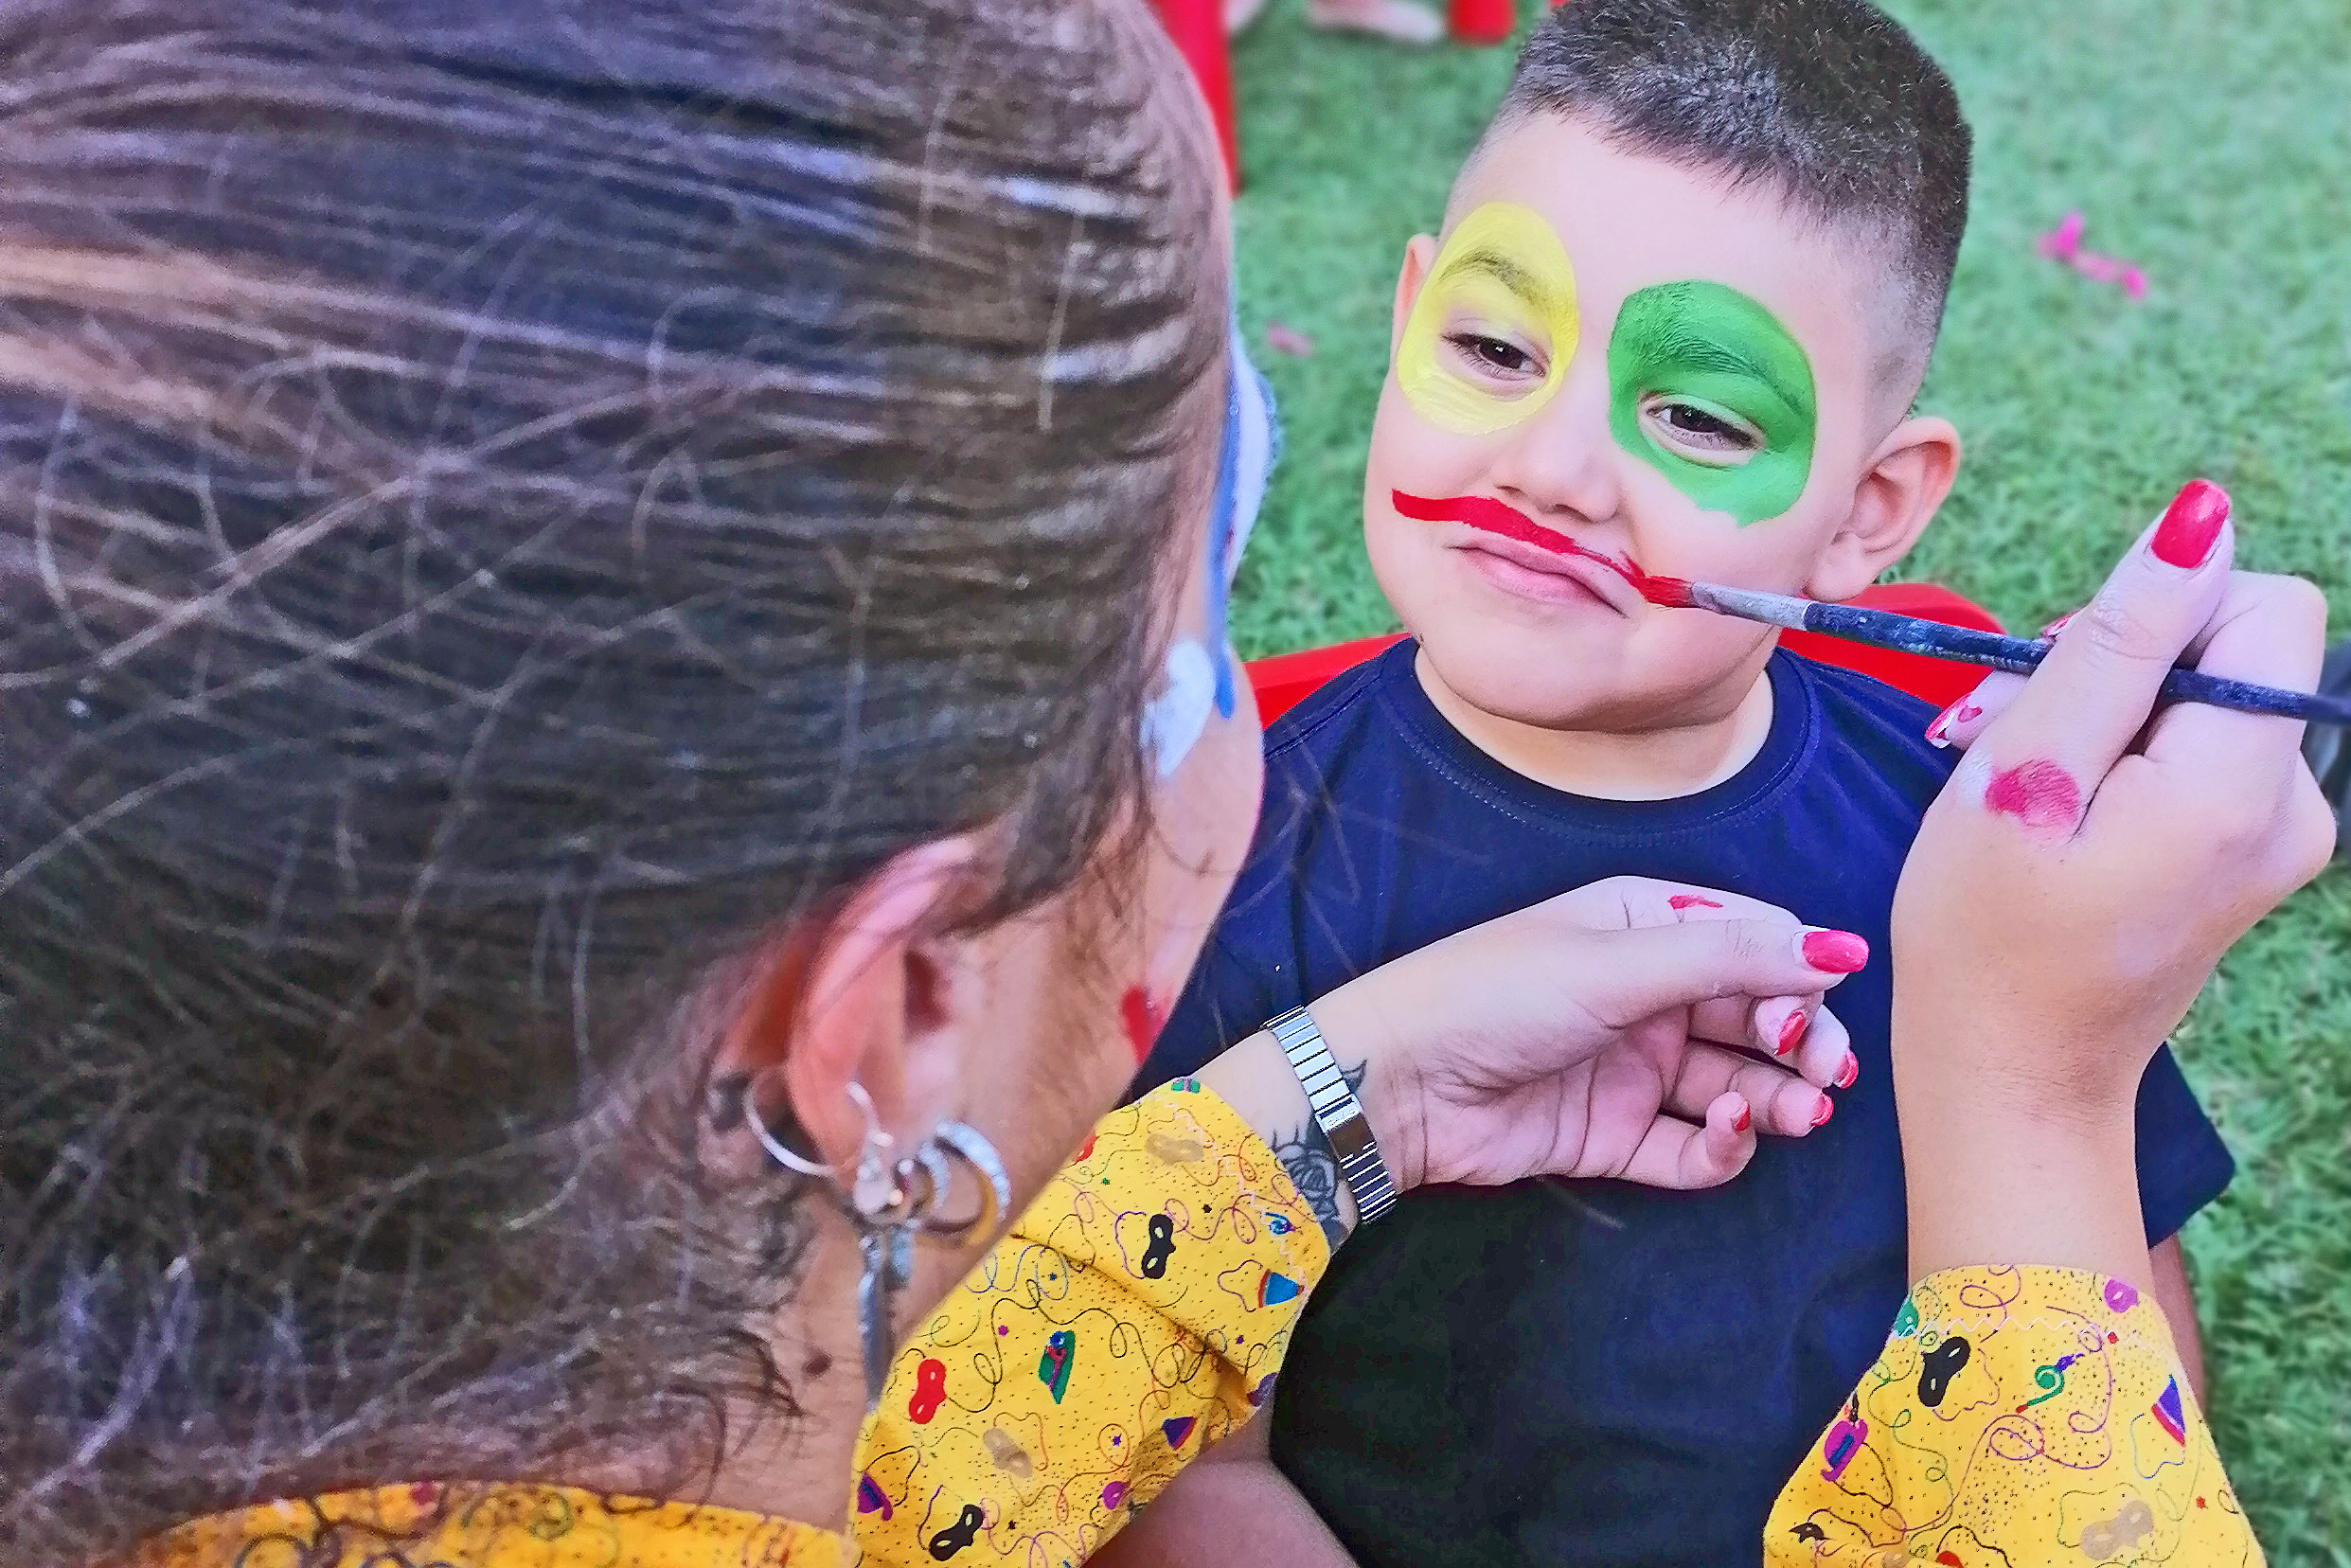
[491, 1524]
[2017, 1416]
[1137, 1313]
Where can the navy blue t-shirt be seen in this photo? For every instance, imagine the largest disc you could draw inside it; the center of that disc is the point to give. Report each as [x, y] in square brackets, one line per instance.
[1591, 1373]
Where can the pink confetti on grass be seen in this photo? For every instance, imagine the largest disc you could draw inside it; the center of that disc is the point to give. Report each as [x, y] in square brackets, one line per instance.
[2062, 244]
[1288, 340]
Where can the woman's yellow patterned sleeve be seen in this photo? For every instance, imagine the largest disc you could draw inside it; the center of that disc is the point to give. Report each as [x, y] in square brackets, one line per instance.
[2017, 1418]
[1136, 1313]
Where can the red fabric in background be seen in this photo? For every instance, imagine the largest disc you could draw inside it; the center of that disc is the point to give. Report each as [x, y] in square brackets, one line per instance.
[1198, 28]
[1284, 680]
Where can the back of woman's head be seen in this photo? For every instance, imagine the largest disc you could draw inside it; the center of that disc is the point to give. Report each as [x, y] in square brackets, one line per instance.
[500, 506]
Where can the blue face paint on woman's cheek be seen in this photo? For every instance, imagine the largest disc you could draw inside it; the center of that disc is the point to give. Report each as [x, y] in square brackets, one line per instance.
[1199, 676]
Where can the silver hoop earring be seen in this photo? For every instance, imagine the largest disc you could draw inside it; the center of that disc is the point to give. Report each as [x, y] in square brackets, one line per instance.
[995, 1186]
[782, 1153]
[878, 1190]
[888, 1201]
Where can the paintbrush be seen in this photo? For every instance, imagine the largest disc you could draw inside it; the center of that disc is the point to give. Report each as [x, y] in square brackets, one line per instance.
[1909, 635]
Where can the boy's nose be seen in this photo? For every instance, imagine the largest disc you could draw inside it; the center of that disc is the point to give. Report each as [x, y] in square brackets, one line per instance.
[1559, 462]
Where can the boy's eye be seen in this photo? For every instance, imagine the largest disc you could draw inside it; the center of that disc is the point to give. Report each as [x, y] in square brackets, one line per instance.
[1492, 353]
[1701, 435]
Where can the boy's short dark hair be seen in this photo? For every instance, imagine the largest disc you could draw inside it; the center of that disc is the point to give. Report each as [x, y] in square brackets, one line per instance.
[1829, 101]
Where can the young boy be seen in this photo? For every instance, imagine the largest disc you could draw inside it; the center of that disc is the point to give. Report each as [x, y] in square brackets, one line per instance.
[1687, 291]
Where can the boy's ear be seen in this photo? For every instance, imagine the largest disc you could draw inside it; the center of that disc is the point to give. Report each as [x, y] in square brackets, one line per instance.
[1903, 483]
[1419, 252]
[877, 990]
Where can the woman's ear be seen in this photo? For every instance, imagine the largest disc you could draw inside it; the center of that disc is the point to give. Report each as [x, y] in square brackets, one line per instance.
[1419, 252]
[876, 992]
[1905, 480]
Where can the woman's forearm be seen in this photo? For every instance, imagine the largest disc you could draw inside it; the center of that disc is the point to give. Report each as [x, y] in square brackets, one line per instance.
[1998, 1173]
[1255, 1079]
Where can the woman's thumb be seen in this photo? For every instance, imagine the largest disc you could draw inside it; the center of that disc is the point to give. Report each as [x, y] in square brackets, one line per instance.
[1650, 970]
[2086, 703]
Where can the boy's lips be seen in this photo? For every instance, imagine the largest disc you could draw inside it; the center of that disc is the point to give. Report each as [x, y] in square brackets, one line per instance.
[1519, 540]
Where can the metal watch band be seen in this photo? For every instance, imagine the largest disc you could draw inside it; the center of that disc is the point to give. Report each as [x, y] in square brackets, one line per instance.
[1338, 1113]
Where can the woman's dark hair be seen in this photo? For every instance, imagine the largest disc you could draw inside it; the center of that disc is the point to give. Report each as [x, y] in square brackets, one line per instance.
[503, 505]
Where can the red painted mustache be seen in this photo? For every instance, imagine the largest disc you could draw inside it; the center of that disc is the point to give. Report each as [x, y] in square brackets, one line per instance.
[1488, 515]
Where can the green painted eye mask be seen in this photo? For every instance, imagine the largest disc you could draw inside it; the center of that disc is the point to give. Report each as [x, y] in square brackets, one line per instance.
[1713, 351]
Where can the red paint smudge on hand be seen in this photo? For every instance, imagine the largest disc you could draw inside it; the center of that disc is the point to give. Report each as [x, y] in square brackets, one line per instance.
[1142, 1018]
[1690, 901]
[1488, 515]
[2038, 793]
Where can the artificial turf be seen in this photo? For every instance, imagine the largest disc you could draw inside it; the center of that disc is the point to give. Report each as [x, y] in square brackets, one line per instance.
[2211, 144]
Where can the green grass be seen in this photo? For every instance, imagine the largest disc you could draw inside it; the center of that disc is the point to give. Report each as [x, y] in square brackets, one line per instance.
[2213, 144]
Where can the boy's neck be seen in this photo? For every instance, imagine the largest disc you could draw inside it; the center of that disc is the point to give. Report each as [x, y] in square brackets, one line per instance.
[1646, 765]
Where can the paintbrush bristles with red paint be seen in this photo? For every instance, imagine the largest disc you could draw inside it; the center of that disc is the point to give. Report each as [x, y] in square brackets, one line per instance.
[1909, 635]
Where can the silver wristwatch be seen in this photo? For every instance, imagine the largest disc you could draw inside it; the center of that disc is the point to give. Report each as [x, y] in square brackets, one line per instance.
[1338, 1113]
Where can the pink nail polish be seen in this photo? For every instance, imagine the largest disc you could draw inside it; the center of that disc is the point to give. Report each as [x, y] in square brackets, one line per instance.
[1822, 1112]
[1746, 1119]
[1835, 951]
[1936, 735]
[2049, 633]
[1852, 1070]
[2191, 524]
[1791, 1031]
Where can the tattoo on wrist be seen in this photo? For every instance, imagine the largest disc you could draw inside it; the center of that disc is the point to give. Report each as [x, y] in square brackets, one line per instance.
[1313, 1167]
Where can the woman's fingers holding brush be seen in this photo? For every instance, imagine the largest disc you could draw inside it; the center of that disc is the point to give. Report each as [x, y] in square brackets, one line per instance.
[2092, 859]
[2071, 889]
[2248, 768]
[2063, 731]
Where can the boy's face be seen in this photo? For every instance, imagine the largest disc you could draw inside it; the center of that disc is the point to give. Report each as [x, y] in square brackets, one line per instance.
[1686, 380]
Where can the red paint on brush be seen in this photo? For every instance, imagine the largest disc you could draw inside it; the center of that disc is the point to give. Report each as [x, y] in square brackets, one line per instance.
[2191, 524]
[1488, 515]
[1142, 1018]
[1690, 901]
[2039, 794]
[1672, 593]
[1835, 951]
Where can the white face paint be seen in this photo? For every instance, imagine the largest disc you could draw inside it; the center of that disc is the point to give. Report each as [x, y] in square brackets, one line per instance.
[1259, 448]
[1199, 674]
[1173, 722]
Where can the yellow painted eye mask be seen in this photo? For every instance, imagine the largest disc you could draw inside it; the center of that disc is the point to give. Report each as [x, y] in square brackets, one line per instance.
[1499, 306]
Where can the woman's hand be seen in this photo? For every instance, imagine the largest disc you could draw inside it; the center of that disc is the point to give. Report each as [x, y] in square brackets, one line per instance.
[2073, 886]
[1630, 1028]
